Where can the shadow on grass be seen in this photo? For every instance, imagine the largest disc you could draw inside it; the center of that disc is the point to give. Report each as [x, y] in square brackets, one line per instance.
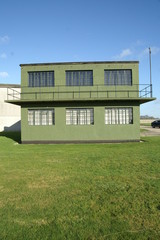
[15, 136]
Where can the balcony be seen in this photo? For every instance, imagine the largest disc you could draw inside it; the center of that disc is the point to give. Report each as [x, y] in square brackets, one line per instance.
[143, 93]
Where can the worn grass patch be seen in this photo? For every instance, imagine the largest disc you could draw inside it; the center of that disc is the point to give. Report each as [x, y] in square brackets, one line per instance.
[143, 130]
[92, 191]
[145, 124]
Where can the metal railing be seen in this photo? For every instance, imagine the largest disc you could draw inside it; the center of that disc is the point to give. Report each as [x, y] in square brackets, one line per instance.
[80, 92]
[13, 94]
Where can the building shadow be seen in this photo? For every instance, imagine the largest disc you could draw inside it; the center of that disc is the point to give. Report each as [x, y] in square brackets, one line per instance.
[14, 135]
[16, 127]
[13, 132]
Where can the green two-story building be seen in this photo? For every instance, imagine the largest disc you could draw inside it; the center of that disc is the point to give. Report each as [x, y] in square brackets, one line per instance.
[75, 102]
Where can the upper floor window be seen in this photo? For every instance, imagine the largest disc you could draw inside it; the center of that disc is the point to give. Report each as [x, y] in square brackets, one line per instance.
[118, 77]
[79, 78]
[41, 79]
[41, 117]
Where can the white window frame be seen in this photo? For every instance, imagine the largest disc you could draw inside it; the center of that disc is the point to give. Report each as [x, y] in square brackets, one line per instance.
[79, 116]
[118, 115]
[41, 117]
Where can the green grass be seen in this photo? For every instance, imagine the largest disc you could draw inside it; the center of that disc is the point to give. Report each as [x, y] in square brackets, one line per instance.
[92, 191]
[143, 130]
[145, 124]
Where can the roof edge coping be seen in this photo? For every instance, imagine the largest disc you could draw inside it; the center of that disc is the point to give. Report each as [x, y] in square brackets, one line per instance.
[87, 62]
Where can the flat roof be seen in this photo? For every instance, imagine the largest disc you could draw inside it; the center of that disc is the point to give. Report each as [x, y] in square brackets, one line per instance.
[4, 85]
[88, 62]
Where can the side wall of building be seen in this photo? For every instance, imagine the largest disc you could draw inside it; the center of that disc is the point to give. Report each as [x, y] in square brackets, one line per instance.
[10, 115]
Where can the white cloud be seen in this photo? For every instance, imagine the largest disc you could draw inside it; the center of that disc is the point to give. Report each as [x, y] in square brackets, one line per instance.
[3, 56]
[138, 43]
[145, 51]
[4, 39]
[4, 74]
[125, 53]
[157, 101]
[137, 50]
[154, 51]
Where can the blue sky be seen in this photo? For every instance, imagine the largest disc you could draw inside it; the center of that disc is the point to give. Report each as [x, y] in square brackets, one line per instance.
[36, 31]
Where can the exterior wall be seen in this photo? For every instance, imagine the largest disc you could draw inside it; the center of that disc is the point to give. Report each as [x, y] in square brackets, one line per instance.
[9, 113]
[99, 132]
[98, 71]
[60, 98]
[60, 81]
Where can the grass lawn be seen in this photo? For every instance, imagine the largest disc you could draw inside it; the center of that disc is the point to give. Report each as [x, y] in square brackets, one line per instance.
[145, 124]
[143, 130]
[92, 191]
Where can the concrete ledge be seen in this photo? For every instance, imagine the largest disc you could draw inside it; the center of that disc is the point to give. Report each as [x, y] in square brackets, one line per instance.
[78, 141]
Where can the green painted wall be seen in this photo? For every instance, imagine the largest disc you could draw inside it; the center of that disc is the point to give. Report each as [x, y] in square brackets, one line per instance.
[97, 132]
[98, 71]
[60, 81]
[62, 132]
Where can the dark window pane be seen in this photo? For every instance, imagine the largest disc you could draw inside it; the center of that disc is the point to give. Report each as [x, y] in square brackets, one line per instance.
[41, 79]
[79, 78]
[118, 77]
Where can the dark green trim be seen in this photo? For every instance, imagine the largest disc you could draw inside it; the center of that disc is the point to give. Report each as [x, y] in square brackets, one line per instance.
[139, 100]
[80, 142]
[10, 85]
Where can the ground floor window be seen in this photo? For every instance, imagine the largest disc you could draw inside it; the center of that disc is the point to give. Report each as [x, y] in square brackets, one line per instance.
[79, 116]
[118, 115]
[41, 117]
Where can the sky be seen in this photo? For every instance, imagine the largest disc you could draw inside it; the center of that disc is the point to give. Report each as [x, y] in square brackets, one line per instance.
[36, 31]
